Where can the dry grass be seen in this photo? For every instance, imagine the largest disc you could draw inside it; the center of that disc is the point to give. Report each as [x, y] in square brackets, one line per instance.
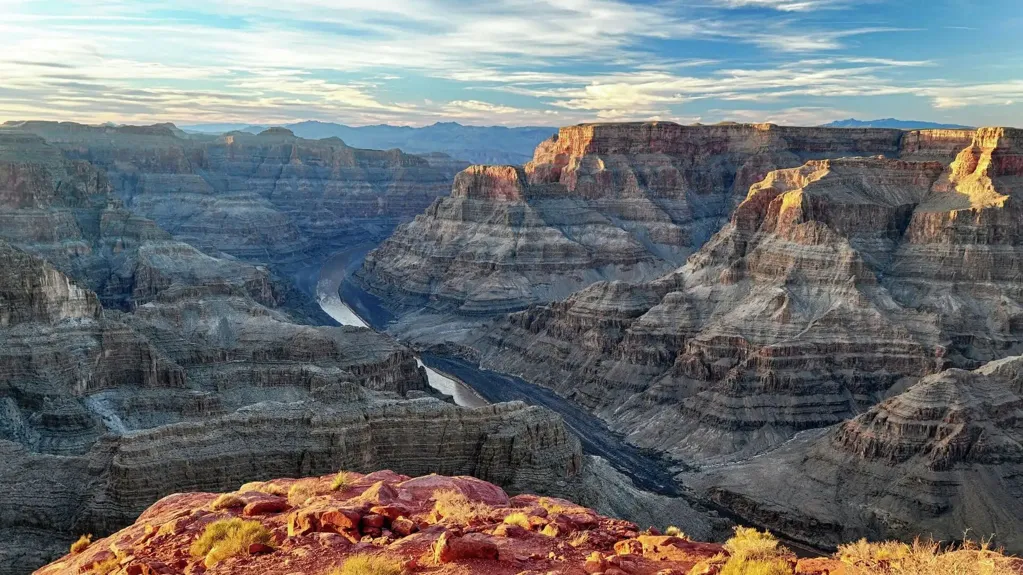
[369, 565]
[457, 507]
[264, 487]
[227, 538]
[673, 531]
[553, 506]
[920, 558]
[518, 518]
[343, 481]
[82, 544]
[106, 567]
[226, 501]
[301, 491]
[755, 552]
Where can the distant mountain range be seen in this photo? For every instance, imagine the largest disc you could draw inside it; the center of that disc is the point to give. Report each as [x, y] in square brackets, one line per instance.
[476, 144]
[895, 124]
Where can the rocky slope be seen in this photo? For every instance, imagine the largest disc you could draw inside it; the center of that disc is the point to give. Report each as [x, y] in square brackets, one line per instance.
[133, 365]
[390, 524]
[941, 457]
[605, 201]
[268, 197]
[832, 284]
[102, 412]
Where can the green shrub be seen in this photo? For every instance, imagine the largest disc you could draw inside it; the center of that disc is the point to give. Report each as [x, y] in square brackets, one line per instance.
[755, 552]
[227, 538]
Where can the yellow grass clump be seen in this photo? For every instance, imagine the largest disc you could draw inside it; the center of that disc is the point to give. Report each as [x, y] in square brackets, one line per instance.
[82, 544]
[755, 552]
[925, 558]
[227, 538]
[365, 564]
[457, 507]
[518, 518]
[226, 501]
[343, 481]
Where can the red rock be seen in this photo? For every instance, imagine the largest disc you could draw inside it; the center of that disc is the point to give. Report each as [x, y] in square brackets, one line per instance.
[302, 522]
[260, 549]
[373, 521]
[392, 512]
[511, 531]
[423, 488]
[380, 493]
[148, 567]
[264, 506]
[450, 548]
[629, 547]
[404, 526]
[667, 548]
[340, 519]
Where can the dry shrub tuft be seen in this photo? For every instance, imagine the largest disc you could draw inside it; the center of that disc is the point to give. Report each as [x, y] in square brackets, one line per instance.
[365, 564]
[227, 538]
[457, 507]
[82, 544]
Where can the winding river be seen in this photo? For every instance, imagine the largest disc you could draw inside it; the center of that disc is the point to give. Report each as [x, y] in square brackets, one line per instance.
[472, 386]
[331, 275]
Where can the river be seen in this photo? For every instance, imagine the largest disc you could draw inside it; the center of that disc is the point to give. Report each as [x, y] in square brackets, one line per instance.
[472, 386]
[328, 285]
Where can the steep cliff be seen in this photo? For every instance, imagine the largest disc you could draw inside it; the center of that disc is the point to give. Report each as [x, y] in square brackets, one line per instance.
[597, 202]
[942, 457]
[270, 197]
[831, 283]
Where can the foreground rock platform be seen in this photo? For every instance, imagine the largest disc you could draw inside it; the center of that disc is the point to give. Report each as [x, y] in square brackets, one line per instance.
[385, 523]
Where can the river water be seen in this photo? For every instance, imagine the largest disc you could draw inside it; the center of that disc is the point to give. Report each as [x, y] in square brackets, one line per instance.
[331, 275]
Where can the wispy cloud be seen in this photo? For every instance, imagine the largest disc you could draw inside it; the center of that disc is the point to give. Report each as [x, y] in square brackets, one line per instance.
[418, 61]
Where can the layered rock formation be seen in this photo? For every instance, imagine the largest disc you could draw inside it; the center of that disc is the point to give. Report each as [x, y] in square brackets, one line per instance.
[832, 284]
[942, 457]
[269, 197]
[606, 201]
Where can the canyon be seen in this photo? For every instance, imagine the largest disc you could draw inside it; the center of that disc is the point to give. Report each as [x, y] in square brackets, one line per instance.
[815, 330]
[845, 268]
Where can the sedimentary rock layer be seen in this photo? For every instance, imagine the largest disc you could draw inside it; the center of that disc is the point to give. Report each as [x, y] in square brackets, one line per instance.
[269, 197]
[833, 283]
[601, 202]
[940, 458]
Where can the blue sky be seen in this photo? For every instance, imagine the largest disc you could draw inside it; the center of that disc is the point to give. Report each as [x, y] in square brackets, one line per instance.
[511, 62]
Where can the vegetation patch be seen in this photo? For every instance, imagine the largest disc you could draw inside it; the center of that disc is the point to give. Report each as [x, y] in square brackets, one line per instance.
[755, 552]
[459, 508]
[227, 538]
[925, 558]
[518, 518]
[366, 564]
[226, 501]
[82, 544]
[343, 481]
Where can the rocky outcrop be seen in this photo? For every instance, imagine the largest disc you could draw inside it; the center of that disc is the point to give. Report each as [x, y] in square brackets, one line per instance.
[269, 197]
[940, 458]
[832, 283]
[597, 202]
[593, 204]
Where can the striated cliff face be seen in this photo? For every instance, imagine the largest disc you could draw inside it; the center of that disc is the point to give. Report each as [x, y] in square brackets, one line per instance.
[832, 283]
[598, 202]
[941, 457]
[270, 197]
